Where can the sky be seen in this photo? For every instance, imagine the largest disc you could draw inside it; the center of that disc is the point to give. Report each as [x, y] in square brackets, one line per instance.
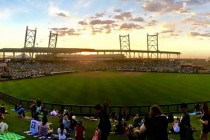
[182, 25]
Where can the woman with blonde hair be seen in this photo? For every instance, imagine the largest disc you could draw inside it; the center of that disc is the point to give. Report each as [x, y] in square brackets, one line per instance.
[156, 125]
[205, 117]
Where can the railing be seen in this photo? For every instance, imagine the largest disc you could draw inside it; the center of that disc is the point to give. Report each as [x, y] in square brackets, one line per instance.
[89, 109]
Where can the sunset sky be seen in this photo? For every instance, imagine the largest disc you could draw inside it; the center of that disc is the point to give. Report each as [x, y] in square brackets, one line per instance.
[183, 25]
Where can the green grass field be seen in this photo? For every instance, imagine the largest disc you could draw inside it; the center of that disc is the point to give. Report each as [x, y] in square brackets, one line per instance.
[117, 88]
[114, 87]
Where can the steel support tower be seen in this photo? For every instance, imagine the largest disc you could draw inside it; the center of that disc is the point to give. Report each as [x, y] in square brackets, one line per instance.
[30, 38]
[152, 45]
[125, 43]
[52, 40]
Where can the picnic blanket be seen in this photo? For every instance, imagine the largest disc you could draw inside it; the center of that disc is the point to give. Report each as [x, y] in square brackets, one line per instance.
[10, 136]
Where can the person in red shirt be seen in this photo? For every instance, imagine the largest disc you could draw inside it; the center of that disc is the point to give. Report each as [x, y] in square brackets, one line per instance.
[79, 131]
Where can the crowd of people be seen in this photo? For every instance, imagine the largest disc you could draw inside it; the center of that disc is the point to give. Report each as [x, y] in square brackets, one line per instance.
[17, 70]
[20, 70]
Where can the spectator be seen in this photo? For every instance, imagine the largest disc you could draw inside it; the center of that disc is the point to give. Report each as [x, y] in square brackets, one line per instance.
[186, 132]
[1, 116]
[38, 106]
[197, 108]
[3, 127]
[53, 113]
[113, 116]
[73, 122]
[170, 118]
[44, 128]
[3, 109]
[21, 111]
[125, 113]
[66, 123]
[79, 131]
[175, 127]
[137, 121]
[104, 124]
[62, 132]
[119, 128]
[156, 125]
[205, 120]
[33, 108]
[34, 126]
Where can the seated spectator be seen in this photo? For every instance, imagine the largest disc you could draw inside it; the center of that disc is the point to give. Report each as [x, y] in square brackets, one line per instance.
[3, 109]
[156, 125]
[62, 132]
[38, 106]
[44, 128]
[197, 108]
[66, 123]
[119, 128]
[137, 121]
[21, 111]
[170, 118]
[175, 126]
[113, 116]
[34, 126]
[53, 113]
[1, 116]
[73, 123]
[79, 131]
[3, 127]
[125, 114]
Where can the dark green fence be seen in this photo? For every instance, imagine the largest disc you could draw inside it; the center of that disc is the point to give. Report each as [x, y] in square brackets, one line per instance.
[89, 109]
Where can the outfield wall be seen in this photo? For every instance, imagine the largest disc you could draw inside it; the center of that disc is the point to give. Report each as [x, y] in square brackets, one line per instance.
[88, 110]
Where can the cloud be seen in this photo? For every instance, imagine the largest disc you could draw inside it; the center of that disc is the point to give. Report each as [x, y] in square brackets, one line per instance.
[162, 6]
[197, 2]
[96, 30]
[152, 23]
[82, 23]
[123, 16]
[97, 21]
[55, 11]
[195, 34]
[100, 14]
[171, 5]
[153, 6]
[168, 30]
[117, 10]
[62, 14]
[65, 31]
[168, 25]
[201, 21]
[129, 26]
[138, 19]
[183, 11]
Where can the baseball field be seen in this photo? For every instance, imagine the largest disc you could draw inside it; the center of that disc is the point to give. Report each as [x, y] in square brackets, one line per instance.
[117, 88]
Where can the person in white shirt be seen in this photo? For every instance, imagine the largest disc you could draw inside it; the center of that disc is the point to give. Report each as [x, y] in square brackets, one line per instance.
[62, 132]
[34, 126]
[3, 127]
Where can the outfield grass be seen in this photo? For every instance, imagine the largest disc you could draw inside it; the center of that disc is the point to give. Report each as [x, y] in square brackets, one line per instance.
[114, 87]
[117, 88]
